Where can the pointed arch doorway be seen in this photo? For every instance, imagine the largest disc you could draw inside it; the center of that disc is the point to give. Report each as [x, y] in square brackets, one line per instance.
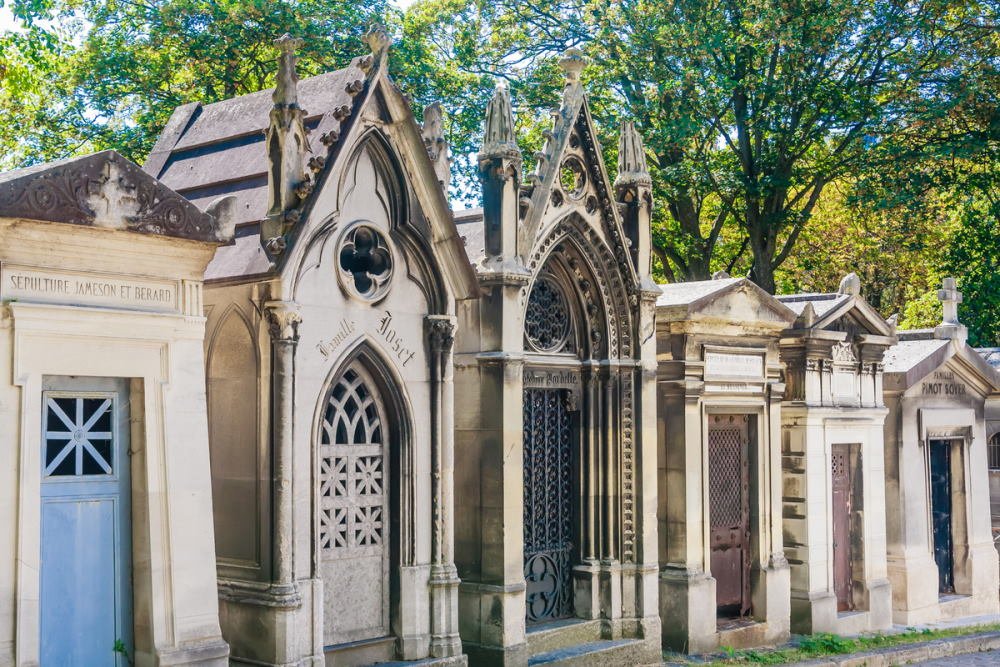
[357, 477]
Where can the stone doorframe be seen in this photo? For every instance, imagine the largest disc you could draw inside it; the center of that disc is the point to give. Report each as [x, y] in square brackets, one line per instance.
[810, 433]
[687, 589]
[50, 340]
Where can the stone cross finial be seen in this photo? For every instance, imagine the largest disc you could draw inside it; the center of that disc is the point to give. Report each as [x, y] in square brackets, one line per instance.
[377, 39]
[850, 284]
[285, 88]
[632, 168]
[572, 63]
[498, 129]
[950, 297]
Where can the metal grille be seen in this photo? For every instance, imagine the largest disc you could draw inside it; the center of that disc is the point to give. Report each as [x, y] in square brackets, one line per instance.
[724, 477]
[78, 436]
[546, 321]
[994, 452]
[352, 467]
[548, 505]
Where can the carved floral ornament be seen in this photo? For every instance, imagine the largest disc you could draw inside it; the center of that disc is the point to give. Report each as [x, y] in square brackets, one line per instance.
[364, 262]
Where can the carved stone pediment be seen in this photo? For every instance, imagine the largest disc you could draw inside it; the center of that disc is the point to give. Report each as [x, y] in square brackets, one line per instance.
[105, 190]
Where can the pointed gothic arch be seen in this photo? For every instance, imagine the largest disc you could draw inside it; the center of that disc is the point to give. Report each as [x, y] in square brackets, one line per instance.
[232, 392]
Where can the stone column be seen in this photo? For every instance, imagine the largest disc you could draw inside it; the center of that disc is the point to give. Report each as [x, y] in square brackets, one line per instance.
[445, 642]
[283, 322]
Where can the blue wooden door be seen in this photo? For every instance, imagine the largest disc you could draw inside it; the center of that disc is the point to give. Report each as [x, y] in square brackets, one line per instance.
[86, 593]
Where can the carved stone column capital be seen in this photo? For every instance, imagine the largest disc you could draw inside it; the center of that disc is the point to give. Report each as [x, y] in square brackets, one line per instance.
[283, 320]
[440, 332]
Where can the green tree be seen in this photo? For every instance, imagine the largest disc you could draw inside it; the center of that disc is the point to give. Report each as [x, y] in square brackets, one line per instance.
[751, 108]
[131, 63]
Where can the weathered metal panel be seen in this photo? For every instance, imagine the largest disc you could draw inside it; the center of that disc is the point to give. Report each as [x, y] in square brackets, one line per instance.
[729, 512]
[841, 473]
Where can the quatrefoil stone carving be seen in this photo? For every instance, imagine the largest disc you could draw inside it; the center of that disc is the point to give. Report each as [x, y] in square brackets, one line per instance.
[365, 262]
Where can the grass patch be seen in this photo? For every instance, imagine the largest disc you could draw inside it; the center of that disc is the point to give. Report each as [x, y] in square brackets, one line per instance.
[823, 644]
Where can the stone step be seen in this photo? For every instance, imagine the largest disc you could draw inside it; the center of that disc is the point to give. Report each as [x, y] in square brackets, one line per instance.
[595, 654]
[562, 634]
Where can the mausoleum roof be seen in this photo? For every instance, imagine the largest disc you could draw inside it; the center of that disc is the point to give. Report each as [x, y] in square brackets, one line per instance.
[906, 354]
[822, 302]
[679, 294]
[106, 190]
[991, 355]
[736, 301]
[470, 229]
[207, 151]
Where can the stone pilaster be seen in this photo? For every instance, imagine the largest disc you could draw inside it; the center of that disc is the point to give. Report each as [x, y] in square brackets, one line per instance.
[283, 321]
[445, 641]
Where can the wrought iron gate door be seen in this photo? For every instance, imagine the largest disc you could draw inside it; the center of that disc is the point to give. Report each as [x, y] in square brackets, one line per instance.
[840, 468]
[940, 475]
[548, 505]
[729, 512]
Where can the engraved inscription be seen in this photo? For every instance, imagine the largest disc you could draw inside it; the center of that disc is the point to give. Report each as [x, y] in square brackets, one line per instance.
[22, 284]
[729, 365]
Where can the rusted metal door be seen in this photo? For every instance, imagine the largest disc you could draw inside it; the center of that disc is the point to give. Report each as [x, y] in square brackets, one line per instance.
[842, 490]
[548, 505]
[940, 477]
[729, 511]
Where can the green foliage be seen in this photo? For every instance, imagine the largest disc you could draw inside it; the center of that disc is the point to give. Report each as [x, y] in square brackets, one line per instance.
[110, 73]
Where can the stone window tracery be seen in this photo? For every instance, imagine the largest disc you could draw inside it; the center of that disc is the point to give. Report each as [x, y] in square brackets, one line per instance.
[365, 262]
[352, 466]
[547, 320]
[994, 452]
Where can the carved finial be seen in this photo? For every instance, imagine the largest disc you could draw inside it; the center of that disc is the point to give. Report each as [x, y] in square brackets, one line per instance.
[850, 284]
[807, 318]
[632, 168]
[377, 39]
[720, 275]
[498, 130]
[287, 144]
[950, 297]
[436, 144]
[572, 63]
[285, 88]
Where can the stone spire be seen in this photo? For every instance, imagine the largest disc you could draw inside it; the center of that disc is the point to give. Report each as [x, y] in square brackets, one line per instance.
[634, 193]
[498, 130]
[632, 169]
[286, 149]
[435, 143]
[950, 327]
[500, 172]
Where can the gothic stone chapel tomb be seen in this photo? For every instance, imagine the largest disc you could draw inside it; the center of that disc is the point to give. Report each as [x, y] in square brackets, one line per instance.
[555, 404]
[942, 562]
[330, 326]
[834, 484]
[106, 495]
[723, 576]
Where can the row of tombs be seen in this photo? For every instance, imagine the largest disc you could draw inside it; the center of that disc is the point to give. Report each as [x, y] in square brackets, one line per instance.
[483, 437]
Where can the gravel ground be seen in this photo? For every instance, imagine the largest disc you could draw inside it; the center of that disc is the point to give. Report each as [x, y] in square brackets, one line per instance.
[991, 658]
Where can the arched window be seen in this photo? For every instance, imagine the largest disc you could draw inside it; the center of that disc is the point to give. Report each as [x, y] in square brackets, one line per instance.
[547, 320]
[993, 450]
[352, 465]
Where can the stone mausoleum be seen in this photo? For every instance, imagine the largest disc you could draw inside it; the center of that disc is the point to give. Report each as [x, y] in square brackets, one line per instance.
[331, 322]
[555, 400]
[723, 574]
[942, 562]
[107, 549]
[270, 401]
[834, 486]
